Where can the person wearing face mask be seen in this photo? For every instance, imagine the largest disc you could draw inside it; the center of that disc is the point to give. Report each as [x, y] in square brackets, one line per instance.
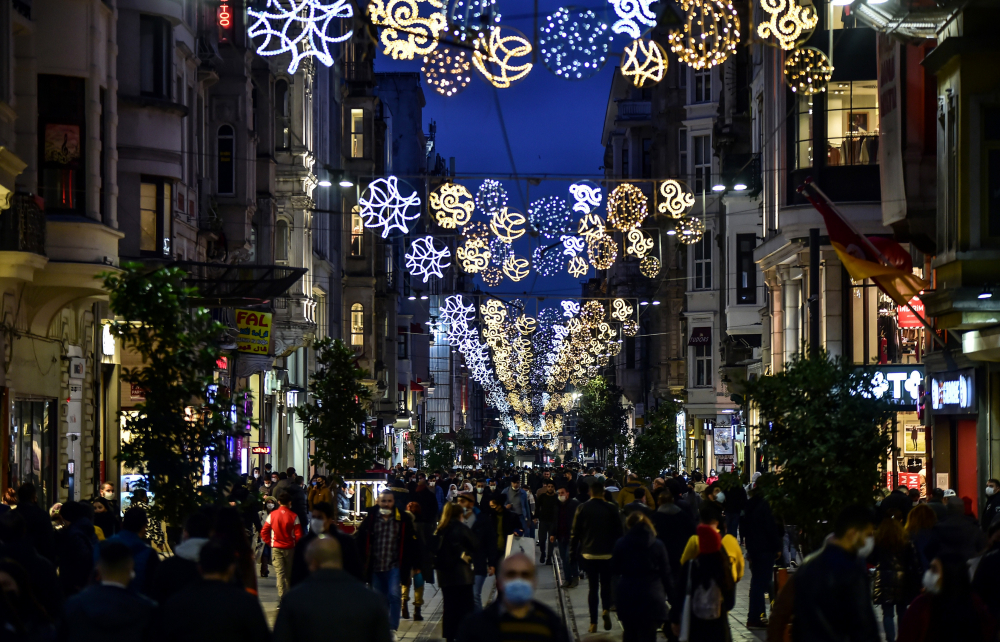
[897, 573]
[323, 523]
[992, 508]
[486, 555]
[440, 490]
[488, 492]
[453, 568]
[708, 591]
[282, 530]
[109, 520]
[710, 515]
[319, 492]
[948, 609]
[516, 616]
[561, 531]
[481, 495]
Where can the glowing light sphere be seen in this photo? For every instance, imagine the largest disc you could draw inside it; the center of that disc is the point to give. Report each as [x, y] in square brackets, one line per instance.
[710, 33]
[591, 227]
[788, 22]
[382, 206]
[502, 59]
[299, 28]
[650, 267]
[639, 243]
[516, 268]
[626, 207]
[472, 18]
[547, 261]
[690, 230]
[447, 71]
[644, 62]
[452, 205]
[807, 71]
[508, 224]
[621, 310]
[592, 313]
[602, 252]
[551, 217]
[586, 196]
[476, 231]
[492, 276]
[676, 200]
[630, 328]
[491, 196]
[405, 32]
[574, 43]
[578, 267]
[500, 251]
[634, 16]
[428, 258]
[474, 255]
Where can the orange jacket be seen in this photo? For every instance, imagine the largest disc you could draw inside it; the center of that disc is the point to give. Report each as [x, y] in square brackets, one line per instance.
[282, 529]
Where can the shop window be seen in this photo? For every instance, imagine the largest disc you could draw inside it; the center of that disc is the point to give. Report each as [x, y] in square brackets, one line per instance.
[746, 270]
[62, 142]
[281, 240]
[702, 163]
[702, 88]
[852, 123]
[33, 453]
[702, 365]
[357, 325]
[647, 158]
[804, 132]
[282, 116]
[155, 209]
[703, 263]
[226, 167]
[357, 232]
[154, 56]
[357, 133]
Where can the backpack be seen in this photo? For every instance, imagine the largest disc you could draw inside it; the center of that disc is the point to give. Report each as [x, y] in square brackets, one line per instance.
[706, 601]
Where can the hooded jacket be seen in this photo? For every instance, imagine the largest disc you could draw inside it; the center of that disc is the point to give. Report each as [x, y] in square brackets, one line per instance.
[106, 612]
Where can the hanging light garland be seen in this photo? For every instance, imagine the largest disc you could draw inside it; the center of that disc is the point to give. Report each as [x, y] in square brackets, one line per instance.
[500, 251]
[427, 257]
[626, 207]
[476, 231]
[650, 267]
[602, 252]
[452, 205]
[473, 18]
[690, 230]
[405, 33]
[676, 199]
[807, 71]
[492, 276]
[547, 261]
[447, 70]
[639, 243]
[502, 59]
[787, 23]
[644, 62]
[508, 224]
[551, 217]
[574, 43]
[491, 196]
[710, 33]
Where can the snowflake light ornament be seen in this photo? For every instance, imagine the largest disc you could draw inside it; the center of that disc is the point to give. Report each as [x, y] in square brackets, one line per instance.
[547, 261]
[405, 33]
[574, 43]
[586, 196]
[644, 62]
[676, 200]
[451, 205]
[508, 224]
[426, 259]
[299, 27]
[454, 311]
[550, 216]
[573, 245]
[383, 206]
[491, 196]
[632, 14]
[578, 267]
[639, 244]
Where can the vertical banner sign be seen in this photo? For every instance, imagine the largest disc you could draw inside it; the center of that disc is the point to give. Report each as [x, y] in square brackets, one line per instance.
[890, 148]
[254, 331]
[224, 18]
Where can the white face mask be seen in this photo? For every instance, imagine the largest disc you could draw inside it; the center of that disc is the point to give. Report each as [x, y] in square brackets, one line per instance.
[563, 498]
[721, 497]
[385, 511]
[315, 525]
[108, 495]
[493, 486]
[932, 582]
[867, 548]
[431, 484]
[256, 475]
[270, 506]
[990, 490]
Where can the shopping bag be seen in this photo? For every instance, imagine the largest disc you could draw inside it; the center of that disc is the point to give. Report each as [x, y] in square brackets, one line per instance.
[685, 632]
[517, 544]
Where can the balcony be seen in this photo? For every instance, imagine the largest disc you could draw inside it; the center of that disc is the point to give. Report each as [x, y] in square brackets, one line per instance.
[634, 110]
[225, 285]
[22, 227]
[360, 72]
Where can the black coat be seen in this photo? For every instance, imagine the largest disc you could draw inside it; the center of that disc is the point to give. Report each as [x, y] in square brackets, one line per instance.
[485, 625]
[450, 568]
[76, 545]
[39, 528]
[41, 574]
[703, 570]
[832, 599]
[643, 576]
[486, 554]
[674, 527]
[331, 604]
[990, 511]
[428, 505]
[102, 613]
[546, 507]
[985, 583]
[408, 553]
[565, 512]
[897, 575]
[348, 551]
[760, 529]
[110, 521]
[596, 528]
[210, 611]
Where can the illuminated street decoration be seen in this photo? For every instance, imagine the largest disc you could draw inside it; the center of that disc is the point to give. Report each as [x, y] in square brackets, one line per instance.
[626, 207]
[710, 33]
[474, 255]
[605, 332]
[639, 243]
[630, 328]
[570, 308]
[526, 325]
[578, 267]
[455, 311]
[426, 259]
[807, 71]
[473, 18]
[500, 251]
[621, 310]
[547, 261]
[690, 230]
[644, 61]
[586, 196]
[508, 224]
[452, 205]
[405, 33]
[676, 199]
[787, 23]
[516, 268]
[447, 70]
[551, 217]
[299, 28]
[476, 231]
[573, 245]
[650, 267]
[592, 313]
[574, 43]
[491, 196]
[492, 276]
[382, 206]
[496, 57]
[632, 16]
[591, 227]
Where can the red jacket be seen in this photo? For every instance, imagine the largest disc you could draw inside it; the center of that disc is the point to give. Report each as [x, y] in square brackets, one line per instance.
[282, 528]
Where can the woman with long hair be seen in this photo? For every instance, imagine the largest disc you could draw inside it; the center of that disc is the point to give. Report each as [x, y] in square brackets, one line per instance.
[919, 522]
[897, 573]
[453, 567]
[641, 565]
[948, 609]
[707, 593]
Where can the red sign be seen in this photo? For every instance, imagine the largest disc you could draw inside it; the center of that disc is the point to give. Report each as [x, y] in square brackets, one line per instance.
[907, 319]
[910, 480]
[260, 450]
[137, 393]
[222, 363]
[224, 17]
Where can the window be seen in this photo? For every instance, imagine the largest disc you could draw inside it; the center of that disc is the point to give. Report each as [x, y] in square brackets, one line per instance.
[682, 76]
[357, 232]
[702, 86]
[322, 329]
[282, 116]
[357, 133]
[702, 163]
[357, 325]
[703, 365]
[746, 270]
[682, 152]
[992, 178]
[852, 123]
[647, 158]
[155, 200]
[62, 135]
[225, 165]
[33, 449]
[804, 133]
[402, 350]
[281, 240]
[703, 262]
[629, 351]
[154, 57]
[625, 173]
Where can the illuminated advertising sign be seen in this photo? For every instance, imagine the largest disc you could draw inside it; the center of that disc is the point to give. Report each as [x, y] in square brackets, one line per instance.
[254, 331]
[953, 393]
[899, 385]
[224, 18]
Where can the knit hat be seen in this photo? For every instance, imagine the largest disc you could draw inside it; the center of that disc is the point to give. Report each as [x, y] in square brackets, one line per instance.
[709, 540]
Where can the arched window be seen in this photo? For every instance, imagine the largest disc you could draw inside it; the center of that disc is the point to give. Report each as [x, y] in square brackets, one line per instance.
[281, 240]
[357, 325]
[282, 116]
[225, 167]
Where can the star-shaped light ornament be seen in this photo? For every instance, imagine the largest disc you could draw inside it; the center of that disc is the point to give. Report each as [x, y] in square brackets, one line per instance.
[382, 206]
[644, 62]
[428, 258]
[299, 28]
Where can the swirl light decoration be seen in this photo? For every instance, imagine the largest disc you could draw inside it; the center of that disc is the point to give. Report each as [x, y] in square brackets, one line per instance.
[382, 206]
[787, 23]
[578, 267]
[299, 27]
[426, 258]
[452, 205]
[650, 267]
[639, 243]
[551, 217]
[474, 255]
[570, 308]
[586, 196]
[491, 196]
[630, 328]
[634, 16]
[573, 245]
[644, 61]
[690, 230]
[405, 33]
[492, 276]
[676, 199]
[621, 310]
[508, 224]
[502, 59]
[591, 227]
[626, 207]
[710, 33]
[574, 43]
[516, 268]
[447, 71]
[807, 71]
[525, 324]
[602, 252]
[547, 261]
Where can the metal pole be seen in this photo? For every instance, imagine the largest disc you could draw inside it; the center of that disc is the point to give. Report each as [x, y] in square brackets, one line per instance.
[814, 338]
[895, 459]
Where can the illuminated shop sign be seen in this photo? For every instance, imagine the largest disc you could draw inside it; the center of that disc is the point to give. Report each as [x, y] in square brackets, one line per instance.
[953, 393]
[899, 385]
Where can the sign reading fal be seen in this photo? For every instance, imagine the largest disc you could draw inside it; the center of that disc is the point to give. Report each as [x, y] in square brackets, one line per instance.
[255, 331]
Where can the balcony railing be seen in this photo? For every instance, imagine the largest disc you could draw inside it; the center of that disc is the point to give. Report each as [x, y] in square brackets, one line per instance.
[635, 110]
[357, 71]
[22, 227]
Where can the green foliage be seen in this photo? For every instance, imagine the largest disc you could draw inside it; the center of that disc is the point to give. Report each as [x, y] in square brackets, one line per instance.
[466, 449]
[557, 461]
[440, 453]
[602, 421]
[656, 448]
[178, 425]
[825, 433]
[336, 410]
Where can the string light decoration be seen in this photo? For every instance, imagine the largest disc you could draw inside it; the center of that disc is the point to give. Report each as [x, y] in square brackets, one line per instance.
[676, 199]
[516, 268]
[787, 22]
[626, 207]
[405, 33]
[526, 325]
[807, 71]
[574, 43]
[495, 57]
[476, 231]
[551, 217]
[492, 276]
[382, 206]
[591, 227]
[602, 252]
[690, 230]
[649, 267]
[547, 261]
[508, 224]
[452, 205]
[621, 310]
[573, 245]
[630, 328]
[570, 308]
[447, 71]
[632, 16]
[426, 259]
[639, 243]
[491, 196]
[578, 267]
[710, 33]
[586, 196]
[592, 313]
[644, 61]
[500, 251]
[473, 18]
[299, 28]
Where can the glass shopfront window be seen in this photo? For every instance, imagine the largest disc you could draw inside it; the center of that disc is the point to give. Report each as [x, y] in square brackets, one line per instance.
[851, 125]
[33, 455]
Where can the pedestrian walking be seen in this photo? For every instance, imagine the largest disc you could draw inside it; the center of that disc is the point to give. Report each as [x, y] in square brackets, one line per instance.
[948, 609]
[637, 505]
[984, 581]
[633, 489]
[919, 528]
[515, 500]
[560, 537]
[38, 523]
[992, 507]
[897, 573]
[181, 569]
[673, 523]
[228, 527]
[711, 516]
[734, 501]
[76, 544]
[640, 564]
[596, 528]
[318, 492]
[22, 616]
[329, 594]
[282, 530]
[546, 508]
[453, 567]
[144, 558]
[486, 555]
[322, 523]
[505, 522]
[709, 592]
[107, 511]
[482, 495]
[416, 582]
[763, 535]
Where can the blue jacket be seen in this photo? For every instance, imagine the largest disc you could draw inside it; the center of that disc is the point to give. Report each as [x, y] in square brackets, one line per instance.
[440, 494]
[143, 560]
[524, 501]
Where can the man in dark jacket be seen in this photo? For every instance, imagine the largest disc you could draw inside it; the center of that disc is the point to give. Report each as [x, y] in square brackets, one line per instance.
[180, 570]
[632, 489]
[76, 545]
[674, 527]
[486, 556]
[505, 523]
[483, 495]
[596, 528]
[734, 503]
[546, 505]
[992, 507]
[323, 521]
[41, 572]
[108, 610]
[763, 537]
[330, 595]
[565, 512]
[144, 558]
[898, 501]
[36, 520]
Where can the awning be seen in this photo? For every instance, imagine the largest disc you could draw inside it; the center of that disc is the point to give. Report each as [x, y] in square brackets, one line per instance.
[700, 337]
[416, 387]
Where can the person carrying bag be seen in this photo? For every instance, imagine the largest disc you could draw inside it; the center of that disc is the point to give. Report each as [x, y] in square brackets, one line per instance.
[709, 595]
